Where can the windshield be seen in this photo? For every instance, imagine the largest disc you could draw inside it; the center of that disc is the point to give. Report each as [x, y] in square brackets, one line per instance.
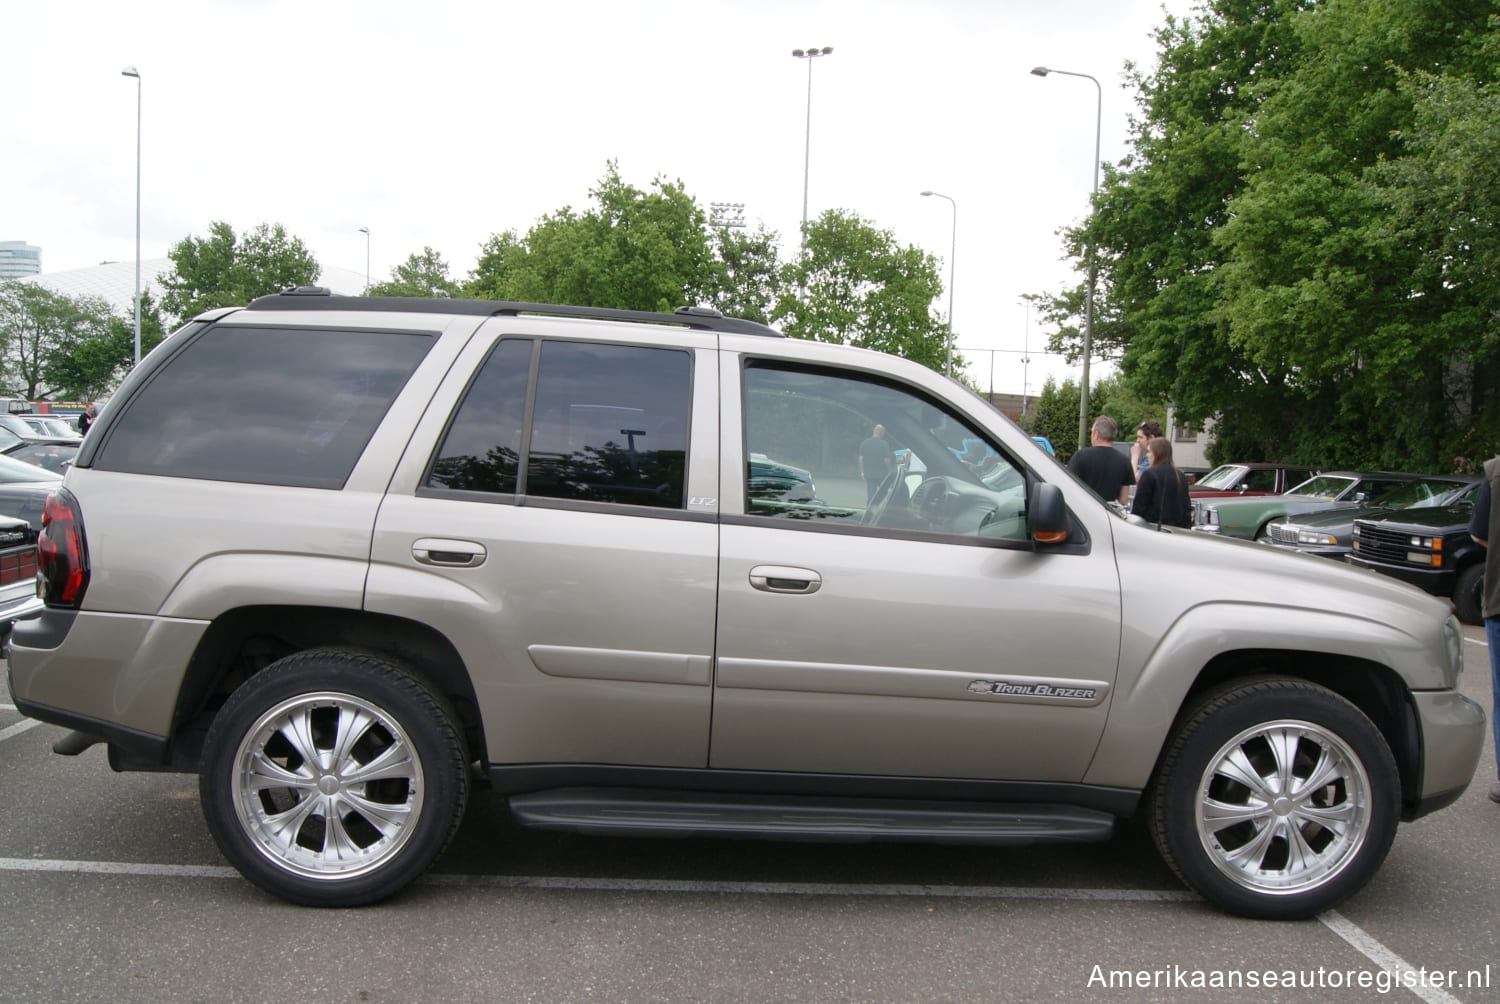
[1423, 494]
[1224, 476]
[1324, 486]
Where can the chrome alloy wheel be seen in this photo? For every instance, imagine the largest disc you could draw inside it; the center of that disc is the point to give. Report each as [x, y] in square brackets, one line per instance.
[327, 785]
[1283, 807]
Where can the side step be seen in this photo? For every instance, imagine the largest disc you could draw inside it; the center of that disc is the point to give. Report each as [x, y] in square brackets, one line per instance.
[645, 812]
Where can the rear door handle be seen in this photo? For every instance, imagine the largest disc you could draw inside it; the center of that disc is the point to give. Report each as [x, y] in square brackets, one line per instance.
[448, 553]
[785, 579]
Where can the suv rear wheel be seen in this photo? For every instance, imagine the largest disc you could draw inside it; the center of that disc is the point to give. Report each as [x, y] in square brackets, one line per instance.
[333, 778]
[1276, 798]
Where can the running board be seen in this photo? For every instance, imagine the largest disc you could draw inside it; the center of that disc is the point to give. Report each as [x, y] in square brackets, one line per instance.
[644, 812]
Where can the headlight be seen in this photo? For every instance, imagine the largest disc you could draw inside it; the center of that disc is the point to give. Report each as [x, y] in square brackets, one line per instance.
[1314, 537]
[1455, 637]
[1211, 517]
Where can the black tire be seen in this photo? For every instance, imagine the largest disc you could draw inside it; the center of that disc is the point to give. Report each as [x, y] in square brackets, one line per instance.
[1468, 594]
[1231, 837]
[299, 738]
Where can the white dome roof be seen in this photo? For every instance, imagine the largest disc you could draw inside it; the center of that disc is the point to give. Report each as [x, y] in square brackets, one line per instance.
[114, 281]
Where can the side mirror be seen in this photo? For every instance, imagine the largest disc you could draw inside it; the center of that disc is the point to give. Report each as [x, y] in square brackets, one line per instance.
[1047, 517]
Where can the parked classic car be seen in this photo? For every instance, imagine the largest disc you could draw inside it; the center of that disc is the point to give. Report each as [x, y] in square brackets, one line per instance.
[50, 454]
[24, 489]
[1249, 479]
[1237, 517]
[1327, 533]
[1429, 548]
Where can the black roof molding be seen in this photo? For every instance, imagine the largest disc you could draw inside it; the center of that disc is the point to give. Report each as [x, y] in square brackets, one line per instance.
[319, 298]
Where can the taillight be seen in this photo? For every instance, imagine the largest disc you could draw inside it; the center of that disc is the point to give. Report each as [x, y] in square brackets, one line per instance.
[62, 552]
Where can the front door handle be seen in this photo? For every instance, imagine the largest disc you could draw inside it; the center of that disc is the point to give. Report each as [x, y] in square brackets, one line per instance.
[446, 552]
[785, 579]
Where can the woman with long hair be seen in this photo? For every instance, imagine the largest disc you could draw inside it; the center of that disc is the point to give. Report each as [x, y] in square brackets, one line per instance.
[1161, 496]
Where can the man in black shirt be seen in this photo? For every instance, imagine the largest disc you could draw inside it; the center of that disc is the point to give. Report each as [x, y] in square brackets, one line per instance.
[1101, 466]
[875, 457]
[1484, 525]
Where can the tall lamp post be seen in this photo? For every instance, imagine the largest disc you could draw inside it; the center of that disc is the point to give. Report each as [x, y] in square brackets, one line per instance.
[1025, 355]
[1088, 315]
[131, 71]
[952, 253]
[809, 55]
[366, 232]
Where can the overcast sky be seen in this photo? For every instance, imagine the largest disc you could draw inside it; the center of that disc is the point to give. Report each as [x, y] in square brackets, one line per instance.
[442, 122]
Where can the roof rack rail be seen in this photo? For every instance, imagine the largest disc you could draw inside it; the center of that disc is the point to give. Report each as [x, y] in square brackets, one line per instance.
[320, 298]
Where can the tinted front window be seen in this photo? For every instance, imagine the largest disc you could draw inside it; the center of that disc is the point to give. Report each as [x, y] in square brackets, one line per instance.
[264, 405]
[1261, 480]
[834, 448]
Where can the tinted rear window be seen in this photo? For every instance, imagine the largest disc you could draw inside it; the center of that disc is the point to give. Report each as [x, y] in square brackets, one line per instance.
[276, 406]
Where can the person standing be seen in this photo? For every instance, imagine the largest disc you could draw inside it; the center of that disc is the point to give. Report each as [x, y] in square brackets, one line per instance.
[875, 461]
[1484, 526]
[1144, 433]
[86, 419]
[1161, 496]
[1101, 466]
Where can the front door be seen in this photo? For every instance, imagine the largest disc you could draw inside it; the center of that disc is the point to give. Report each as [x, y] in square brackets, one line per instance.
[896, 620]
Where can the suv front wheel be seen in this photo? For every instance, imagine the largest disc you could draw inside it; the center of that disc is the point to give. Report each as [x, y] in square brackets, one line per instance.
[333, 778]
[1276, 798]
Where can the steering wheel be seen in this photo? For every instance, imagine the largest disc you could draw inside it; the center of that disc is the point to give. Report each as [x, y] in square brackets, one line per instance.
[930, 500]
[883, 493]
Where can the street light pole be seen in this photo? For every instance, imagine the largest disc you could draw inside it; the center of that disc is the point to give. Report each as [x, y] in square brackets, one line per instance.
[952, 254]
[366, 232]
[809, 55]
[1088, 316]
[1025, 354]
[131, 71]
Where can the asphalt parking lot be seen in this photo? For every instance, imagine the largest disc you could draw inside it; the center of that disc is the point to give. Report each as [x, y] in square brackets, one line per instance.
[110, 888]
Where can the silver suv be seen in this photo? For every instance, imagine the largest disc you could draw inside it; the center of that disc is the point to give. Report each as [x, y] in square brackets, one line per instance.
[659, 574]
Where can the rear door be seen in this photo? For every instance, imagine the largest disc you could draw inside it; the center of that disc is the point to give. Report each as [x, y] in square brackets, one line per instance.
[544, 520]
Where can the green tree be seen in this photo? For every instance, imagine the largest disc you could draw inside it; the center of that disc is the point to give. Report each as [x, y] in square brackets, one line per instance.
[634, 249]
[1281, 249]
[854, 285]
[98, 360]
[222, 270]
[422, 274]
[1054, 414]
[744, 277]
[38, 325]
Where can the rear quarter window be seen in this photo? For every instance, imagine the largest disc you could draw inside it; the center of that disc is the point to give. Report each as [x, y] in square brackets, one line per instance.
[276, 406]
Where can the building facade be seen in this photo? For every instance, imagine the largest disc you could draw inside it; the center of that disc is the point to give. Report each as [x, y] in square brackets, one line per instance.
[17, 259]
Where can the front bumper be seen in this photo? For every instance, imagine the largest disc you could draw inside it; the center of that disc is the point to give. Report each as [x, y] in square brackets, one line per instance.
[1437, 581]
[1453, 729]
[1336, 552]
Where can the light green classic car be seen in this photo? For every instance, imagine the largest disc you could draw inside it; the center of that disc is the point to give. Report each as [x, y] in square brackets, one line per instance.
[1246, 517]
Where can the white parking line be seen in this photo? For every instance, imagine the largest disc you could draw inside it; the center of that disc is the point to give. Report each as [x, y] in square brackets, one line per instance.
[1383, 957]
[18, 728]
[1350, 932]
